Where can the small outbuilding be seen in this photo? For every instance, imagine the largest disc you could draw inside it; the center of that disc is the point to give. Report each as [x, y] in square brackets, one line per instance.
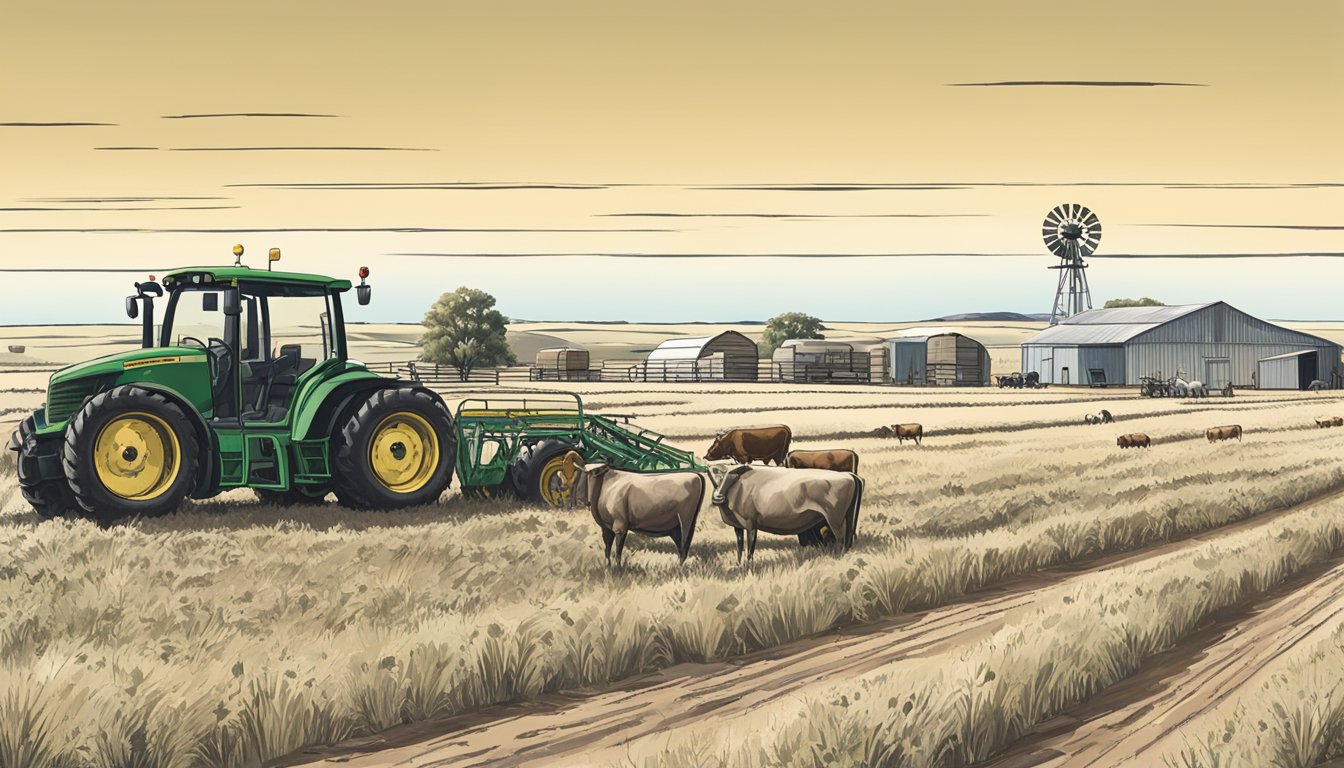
[818, 360]
[938, 359]
[1214, 343]
[561, 364]
[728, 356]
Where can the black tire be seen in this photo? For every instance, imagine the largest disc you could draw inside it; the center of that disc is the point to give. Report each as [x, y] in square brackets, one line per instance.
[49, 498]
[85, 429]
[291, 498]
[357, 484]
[527, 472]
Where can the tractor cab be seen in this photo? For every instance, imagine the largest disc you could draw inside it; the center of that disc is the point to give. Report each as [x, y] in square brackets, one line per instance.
[259, 332]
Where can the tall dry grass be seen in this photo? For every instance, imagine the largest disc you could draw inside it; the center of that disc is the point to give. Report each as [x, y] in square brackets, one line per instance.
[232, 633]
[961, 707]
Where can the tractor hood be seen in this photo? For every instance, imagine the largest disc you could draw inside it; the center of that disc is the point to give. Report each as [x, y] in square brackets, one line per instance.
[125, 361]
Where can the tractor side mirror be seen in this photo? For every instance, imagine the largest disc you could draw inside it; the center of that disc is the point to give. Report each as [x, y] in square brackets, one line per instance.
[132, 307]
[233, 303]
[363, 293]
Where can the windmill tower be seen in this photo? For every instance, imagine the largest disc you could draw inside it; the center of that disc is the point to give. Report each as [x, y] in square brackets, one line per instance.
[1071, 232]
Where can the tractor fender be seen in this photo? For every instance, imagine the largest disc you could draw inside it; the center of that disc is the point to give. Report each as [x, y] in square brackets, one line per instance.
[334, 399]
[205, 480]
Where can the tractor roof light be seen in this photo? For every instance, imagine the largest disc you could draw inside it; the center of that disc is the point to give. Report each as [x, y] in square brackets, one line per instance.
[238, 255]
[363, 274]
[273, 257]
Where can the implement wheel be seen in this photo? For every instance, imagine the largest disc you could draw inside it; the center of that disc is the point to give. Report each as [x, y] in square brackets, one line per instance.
[396, 451]
[130, 451]
[537, 474]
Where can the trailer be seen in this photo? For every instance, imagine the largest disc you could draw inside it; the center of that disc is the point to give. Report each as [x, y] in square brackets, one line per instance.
[515, 444]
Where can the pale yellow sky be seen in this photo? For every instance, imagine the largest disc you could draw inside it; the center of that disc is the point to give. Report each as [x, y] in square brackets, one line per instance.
[680, 100]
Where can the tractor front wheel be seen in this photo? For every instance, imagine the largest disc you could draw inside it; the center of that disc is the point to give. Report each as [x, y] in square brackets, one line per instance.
[130, 451]
[49, 497]
[396, 451]
[538, 475]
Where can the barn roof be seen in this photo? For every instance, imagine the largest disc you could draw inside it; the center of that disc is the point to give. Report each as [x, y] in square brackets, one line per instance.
[1287, 355]
[1112, 326]
[692, 348]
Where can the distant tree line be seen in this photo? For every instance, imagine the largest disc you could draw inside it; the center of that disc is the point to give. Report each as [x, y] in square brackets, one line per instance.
[1144, 302]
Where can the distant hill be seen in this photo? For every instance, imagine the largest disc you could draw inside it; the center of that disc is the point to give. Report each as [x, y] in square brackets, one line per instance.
[984, 316]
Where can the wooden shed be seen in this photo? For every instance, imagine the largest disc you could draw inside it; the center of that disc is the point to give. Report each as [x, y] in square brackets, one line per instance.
[561, 364]
[729, 356]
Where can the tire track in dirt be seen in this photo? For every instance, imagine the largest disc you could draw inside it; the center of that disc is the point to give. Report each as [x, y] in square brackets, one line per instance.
[592, 726]
[1140, 720]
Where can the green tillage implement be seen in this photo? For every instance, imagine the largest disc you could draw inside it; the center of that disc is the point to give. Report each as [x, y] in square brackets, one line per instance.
[518, 444]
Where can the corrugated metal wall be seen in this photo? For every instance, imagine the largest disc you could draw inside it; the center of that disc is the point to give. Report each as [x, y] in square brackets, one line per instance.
[1110, 359]
[1279, 374]
[907, 361]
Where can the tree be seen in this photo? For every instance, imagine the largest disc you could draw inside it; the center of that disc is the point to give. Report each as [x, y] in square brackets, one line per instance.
[790, 325]
[1144, 302]
[464, 330]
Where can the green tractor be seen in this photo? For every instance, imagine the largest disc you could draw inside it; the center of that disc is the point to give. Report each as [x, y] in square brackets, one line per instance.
[246, 383]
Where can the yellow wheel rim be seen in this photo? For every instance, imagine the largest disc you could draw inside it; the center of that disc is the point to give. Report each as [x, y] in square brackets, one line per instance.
[136, 456]
[552, 482]
[404, 452]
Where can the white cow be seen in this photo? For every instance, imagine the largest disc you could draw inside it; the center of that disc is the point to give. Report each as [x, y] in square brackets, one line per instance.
[653, 504]
[786, 502]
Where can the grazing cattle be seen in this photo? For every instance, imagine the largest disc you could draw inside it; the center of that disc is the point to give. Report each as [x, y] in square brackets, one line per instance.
[836, 460]
[1133, 440]
[905, 432]
[1316, 385]
[1323, 423]
[786, 502]
[1337, 421]
[747, 445]
[1223, 433]
[653, 504]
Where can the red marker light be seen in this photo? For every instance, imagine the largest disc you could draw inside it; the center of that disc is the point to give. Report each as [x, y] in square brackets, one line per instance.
[363, 273]
[151, 278]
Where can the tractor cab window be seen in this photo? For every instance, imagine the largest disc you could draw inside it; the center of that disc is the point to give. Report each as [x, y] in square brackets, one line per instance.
[294, 334]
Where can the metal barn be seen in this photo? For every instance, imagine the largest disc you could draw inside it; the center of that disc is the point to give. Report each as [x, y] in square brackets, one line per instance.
[1214, 343]
[729, 356]
[944, 359]
[817, 360]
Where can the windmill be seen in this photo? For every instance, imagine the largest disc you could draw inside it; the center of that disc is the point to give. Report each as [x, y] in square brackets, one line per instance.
[1071, 231]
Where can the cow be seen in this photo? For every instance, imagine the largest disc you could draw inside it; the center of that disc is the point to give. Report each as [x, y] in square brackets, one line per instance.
[1337, 421]
[1198, 389]
[836, 459]
[749, 444]
[1104, 417]
[786, 502]
[904, 432]
[653, 504]
[1316, 385]
[1324, 423]
[1223, 433]
[1133, 440]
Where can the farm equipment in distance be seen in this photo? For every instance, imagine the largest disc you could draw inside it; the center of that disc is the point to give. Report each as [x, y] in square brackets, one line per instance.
[516, 444]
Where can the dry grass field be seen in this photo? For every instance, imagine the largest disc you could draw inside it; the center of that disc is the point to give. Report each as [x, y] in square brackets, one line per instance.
[233, 633]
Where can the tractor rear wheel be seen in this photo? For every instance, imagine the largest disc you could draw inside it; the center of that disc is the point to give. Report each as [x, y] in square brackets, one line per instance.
[537, 474]
[49, 498]
[397, 450]
[130, 451]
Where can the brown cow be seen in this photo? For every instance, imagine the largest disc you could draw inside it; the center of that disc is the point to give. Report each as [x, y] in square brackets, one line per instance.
[1337, 421]
[905, 432]
[1323, 423]
[837, 460]
[1133, 440]
[749, 444]
[1223, 433]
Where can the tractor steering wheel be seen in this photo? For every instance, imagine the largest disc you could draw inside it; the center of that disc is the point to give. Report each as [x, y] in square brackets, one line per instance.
[183, 340]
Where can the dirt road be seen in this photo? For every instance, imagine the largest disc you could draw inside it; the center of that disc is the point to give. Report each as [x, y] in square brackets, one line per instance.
[594, 725]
